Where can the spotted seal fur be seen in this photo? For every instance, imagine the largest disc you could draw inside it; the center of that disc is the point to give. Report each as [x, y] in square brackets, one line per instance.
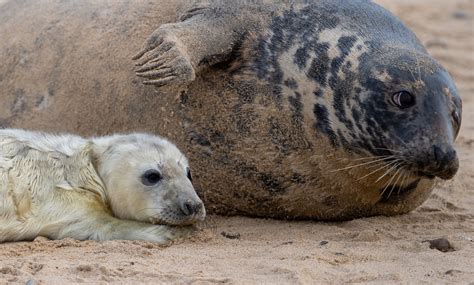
[104, 188]
[309, 109]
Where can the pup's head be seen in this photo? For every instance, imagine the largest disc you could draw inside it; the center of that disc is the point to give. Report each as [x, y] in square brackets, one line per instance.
[147, 179]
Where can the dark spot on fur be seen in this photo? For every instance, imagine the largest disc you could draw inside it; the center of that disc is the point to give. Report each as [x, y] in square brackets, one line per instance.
[344, 45]
[322, 123]
[218, 137]
[287, 135]
[330, 202]
[301, 57]
[51, 91]
[223, 158]
[278, 135]
[271, 184]
[343, 140]
[320, 64]
[261, 62]
[298, 178]
[246, 91]
[277, 91]
[40, 101]
[291, 83]
[199, 139]
[357, 116]
[19, 103]
[318, 93]
[342, 94]
[183, 98]
[297, 108]
[220, 60]
[244, 170]
[244, 119]
[265, 180]
[4, 123]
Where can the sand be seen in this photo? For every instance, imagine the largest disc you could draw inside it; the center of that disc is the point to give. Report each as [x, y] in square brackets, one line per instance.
[371, 250]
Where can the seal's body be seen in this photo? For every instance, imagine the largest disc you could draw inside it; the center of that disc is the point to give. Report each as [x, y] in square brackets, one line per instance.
[318, 109]
[114, 187]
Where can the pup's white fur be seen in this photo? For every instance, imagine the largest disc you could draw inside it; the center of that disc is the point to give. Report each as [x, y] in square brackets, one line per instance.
[61, 186]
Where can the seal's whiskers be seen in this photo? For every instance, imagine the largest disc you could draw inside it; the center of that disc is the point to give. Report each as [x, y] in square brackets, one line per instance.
[388, 171]
[389, 149]
[361, 164]
[390, 181]
[375, 157]
[401, 185]
[154, 208]
[379, 168]
[395, 183]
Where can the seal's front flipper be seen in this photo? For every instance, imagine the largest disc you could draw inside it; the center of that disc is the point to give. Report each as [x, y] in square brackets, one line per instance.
[205, 35]
[164, 60]
[99, 225]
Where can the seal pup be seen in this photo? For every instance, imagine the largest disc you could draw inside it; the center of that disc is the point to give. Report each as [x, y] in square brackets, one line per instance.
[291, 109]
[113, 187]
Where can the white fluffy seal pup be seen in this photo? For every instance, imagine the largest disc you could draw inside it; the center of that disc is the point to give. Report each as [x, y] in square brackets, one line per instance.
[134, 187]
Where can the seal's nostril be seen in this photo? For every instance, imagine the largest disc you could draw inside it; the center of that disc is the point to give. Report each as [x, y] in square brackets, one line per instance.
[187, 208]
[445, 163]
[437, 152]
[443, 157]
[451, 155]
[190, 208]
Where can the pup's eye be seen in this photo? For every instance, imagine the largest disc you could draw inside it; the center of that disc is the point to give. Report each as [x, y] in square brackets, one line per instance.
[151, 177]
[188, 173]
[403, 99]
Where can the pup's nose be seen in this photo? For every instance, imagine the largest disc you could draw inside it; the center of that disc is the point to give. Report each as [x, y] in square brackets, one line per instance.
[444, 163]
[190, 208]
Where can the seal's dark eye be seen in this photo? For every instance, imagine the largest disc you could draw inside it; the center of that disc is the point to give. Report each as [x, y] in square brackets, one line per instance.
[151, 177]
[457, 121]
[403, 99]
[457, 118]
[188, 173]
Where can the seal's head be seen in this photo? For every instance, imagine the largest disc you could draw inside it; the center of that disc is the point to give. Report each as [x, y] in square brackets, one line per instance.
[408, 111]
[364, 82]
[148, 179]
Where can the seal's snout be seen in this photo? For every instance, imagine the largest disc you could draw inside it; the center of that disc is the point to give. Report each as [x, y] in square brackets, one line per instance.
[191, 208]
[447, 162]
[443, 162]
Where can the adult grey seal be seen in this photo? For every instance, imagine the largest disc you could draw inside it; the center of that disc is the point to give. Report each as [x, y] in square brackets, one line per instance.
[312, 109]
[113, 187]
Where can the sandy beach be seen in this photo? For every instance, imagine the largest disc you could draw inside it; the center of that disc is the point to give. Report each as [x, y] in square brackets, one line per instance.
[240, 250]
